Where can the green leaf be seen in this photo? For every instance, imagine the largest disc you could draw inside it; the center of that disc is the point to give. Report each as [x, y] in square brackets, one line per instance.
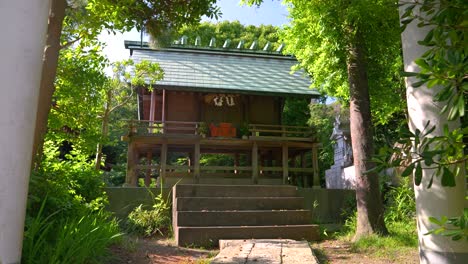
[422, 63]
[430, 182]
[409, 74]
[435, 221]
[448, 178]
[408, 170]
[418, 175]
[418, 84]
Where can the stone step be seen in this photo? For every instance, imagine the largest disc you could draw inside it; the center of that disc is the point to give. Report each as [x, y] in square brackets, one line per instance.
[284, 251]
[209, 236]
[243, 218]
[205, 190]
[239, 203]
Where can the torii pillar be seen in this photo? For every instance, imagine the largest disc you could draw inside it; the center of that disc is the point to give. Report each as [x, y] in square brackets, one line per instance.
[23, 41]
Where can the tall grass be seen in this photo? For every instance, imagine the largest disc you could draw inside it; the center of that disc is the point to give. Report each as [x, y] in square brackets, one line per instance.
[156, 220]
[400, 220]
[71, 239]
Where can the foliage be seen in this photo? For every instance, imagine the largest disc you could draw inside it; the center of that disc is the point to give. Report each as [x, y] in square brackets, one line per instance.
[402, 239]
[400, 203]
[152, 221]
[116, 176]
[86, 19]
[216, 160]
[119, 91]
[454, 227]
[444, 64]
[71, 239]
[439, 153]
[71, 185]
[322, 117]
[234, 31]
[296, 112]
[400, 209]
[318, 36]
[76, 105]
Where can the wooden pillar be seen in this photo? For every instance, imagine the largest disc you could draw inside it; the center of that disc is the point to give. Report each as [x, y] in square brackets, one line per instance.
[149, 157]
[315, 180]
[255, 163]
[132, 161]
[152, 105]
[305, 175]
[190, 161]
[163, 161]
[285, 163]
[262, 163]
[163, 110]
[236, 163]
[196, 163]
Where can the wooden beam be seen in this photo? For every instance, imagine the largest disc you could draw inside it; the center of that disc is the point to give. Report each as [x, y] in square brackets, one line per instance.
[163, 161]
[315, 180]
[149, 157]
[285, 163]
[196, 162]
[255, 163]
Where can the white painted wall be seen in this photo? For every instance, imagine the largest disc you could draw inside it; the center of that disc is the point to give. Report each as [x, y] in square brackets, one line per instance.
[23, 31]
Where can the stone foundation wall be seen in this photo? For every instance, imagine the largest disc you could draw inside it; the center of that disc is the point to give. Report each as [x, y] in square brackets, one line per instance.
[330, 202]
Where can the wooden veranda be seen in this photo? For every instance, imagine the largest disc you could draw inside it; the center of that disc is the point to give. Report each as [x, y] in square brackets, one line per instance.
[273, 154]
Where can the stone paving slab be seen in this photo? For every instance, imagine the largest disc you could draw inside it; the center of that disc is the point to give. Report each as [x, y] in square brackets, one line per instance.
[265, 251]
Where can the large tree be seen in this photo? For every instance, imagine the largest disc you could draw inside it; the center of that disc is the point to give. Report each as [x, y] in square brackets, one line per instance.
[80, 22]
[352, 50]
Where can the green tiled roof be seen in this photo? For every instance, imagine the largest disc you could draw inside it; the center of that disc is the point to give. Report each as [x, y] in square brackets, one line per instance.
[214, 70]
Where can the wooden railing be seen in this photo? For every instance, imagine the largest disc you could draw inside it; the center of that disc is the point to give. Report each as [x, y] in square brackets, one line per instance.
[290, 132]
[207, 171]
[145, 127]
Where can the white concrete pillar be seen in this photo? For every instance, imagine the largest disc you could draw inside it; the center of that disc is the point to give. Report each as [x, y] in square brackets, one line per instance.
[437, 201]
[23, 32]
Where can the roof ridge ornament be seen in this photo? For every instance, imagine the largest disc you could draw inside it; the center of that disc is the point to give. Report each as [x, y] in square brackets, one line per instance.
[227, 43]
[280, 48]
[198, 41]
[267, 46]
[212, 42]
[254, 45]
[241, 44]
[183, 40]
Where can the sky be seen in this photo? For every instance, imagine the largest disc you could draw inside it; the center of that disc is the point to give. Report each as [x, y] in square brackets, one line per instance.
[270, 12]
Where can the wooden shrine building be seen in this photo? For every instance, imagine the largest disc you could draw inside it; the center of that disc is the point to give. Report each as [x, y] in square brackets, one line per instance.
[219, 101]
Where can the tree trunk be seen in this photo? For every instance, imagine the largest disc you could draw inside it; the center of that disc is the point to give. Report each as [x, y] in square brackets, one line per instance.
[49, 70]
[369, 205]
[437, 201]
[104, 129]
[23, 33]
[104, 133]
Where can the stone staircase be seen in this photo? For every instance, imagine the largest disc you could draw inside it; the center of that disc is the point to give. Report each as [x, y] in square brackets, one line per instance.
[204, 214]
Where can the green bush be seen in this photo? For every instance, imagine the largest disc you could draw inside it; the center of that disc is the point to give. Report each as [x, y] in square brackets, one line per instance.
[70, 239]
[65, 220]
[401, 205]
[152, 221]
[72, 185]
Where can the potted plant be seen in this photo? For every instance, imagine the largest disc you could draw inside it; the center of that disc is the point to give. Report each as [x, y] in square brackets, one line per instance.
[244, 130]
[202, 129]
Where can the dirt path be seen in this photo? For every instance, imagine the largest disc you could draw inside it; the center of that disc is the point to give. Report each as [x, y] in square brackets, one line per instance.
[158, 251]
[341, 252]
[164, 251]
